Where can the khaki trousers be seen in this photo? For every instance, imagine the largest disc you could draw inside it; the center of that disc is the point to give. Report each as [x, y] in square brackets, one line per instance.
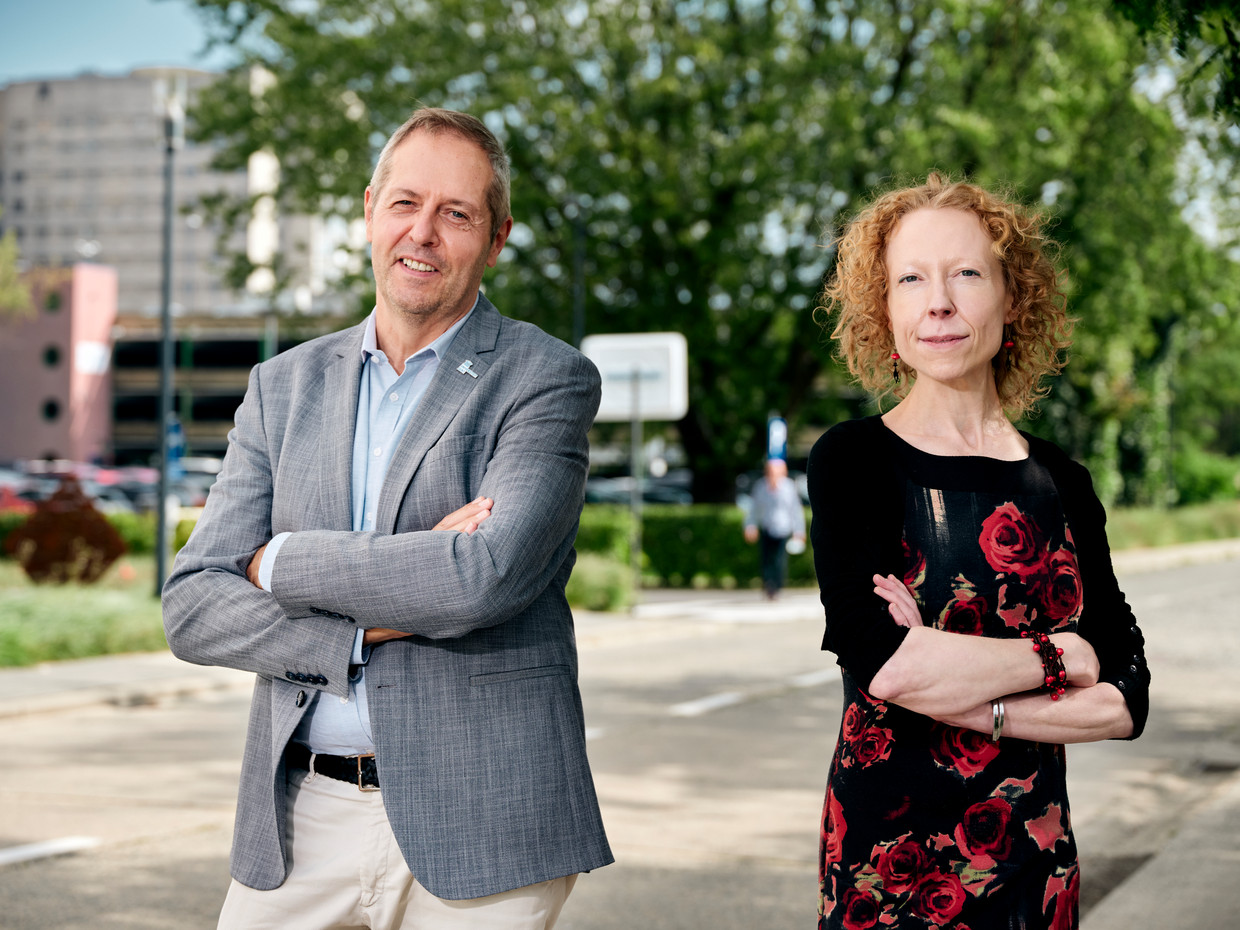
[348, 874]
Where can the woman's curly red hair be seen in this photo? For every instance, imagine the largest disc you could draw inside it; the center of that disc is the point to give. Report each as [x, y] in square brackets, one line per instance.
[856, 294]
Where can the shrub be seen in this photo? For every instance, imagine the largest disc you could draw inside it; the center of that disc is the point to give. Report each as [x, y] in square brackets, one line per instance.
[599, 583]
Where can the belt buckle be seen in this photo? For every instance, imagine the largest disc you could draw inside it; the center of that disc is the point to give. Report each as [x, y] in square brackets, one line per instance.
[360, 786]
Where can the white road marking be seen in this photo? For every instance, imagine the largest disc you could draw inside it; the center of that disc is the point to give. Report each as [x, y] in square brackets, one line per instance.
[67, 844]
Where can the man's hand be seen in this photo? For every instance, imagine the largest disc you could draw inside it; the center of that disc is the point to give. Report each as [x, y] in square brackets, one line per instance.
[467, 518]
[464, 520]
[751, 534]
[251, 570]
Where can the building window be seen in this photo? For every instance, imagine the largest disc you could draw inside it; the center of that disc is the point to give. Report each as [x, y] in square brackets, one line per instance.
[51, 356]
[52, 301]
[51, 410]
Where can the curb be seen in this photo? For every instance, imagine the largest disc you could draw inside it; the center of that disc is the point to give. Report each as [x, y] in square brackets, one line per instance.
[1190, 881]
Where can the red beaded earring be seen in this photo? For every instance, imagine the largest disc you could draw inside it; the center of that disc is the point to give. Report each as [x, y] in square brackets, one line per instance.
[1009, 345]
[895, 367]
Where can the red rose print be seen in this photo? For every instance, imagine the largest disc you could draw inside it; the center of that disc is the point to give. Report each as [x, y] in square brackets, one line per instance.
[914, 568]
[854, 720]
[1065, 895]
[1060, 593]
[983, 834]
[873, 745]
[964, 613]
[965, 751]
[902, 866]
[833, 828]
[1012, 542]
[1048, 829]
[860, 909]
[939, 898]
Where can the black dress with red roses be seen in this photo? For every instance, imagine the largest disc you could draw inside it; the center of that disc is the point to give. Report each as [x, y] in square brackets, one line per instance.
[928, 825]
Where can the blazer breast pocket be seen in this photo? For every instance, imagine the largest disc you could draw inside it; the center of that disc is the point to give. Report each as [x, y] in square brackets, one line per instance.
[454, 465]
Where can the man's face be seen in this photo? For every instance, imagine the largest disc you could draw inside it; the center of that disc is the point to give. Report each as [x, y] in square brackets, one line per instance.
[429, 229]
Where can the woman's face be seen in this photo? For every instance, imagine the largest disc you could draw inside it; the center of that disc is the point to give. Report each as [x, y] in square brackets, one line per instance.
[946, 298]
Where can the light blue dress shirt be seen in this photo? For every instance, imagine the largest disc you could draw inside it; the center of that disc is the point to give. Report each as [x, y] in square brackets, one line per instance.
[385, 406]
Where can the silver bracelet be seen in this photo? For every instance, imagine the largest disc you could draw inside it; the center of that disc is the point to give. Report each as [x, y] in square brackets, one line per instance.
[996, 730]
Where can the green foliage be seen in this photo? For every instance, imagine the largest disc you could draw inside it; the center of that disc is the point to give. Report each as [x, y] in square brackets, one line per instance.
[9, 521]
[71, 621]
[700, 546]
[15, 300]
[137, 531]
[1202, 476]
[1206, 33]
[599, 583]
[1140, 527]
[180, 535]
[44, 623]
[605, 530]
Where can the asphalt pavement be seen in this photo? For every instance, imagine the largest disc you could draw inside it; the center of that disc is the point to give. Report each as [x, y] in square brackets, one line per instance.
[1191, 881]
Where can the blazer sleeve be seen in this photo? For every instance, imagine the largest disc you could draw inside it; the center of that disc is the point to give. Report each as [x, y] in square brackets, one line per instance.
[1107, 622]
[857, 508]
[213, 615]
[444, 585]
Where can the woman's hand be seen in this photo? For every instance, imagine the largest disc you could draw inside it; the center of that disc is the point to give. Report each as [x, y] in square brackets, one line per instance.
[467, 518]
[1079, 659]
[901, 605]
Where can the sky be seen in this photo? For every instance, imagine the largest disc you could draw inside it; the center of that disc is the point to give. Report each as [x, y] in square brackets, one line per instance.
[42, 39]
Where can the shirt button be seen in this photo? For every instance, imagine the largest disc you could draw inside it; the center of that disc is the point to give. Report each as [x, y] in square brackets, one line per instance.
[378, 451]
[394, 397]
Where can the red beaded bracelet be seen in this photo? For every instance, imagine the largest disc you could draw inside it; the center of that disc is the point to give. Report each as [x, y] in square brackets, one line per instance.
[1052, 664]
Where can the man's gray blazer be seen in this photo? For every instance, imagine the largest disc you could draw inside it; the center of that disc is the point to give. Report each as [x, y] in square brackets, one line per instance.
[477, 719]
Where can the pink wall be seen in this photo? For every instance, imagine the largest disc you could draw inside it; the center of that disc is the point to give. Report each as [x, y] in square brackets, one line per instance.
[60, 356]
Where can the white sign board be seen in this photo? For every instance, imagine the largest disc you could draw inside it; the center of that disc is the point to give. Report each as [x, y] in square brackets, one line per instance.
[658, 363]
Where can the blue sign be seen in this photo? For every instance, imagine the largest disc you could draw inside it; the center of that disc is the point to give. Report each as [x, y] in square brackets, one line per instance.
[777, 438]
[176, 447]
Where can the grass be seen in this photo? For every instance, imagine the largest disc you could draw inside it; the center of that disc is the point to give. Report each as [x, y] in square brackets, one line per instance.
[43, 623]
[120, 613]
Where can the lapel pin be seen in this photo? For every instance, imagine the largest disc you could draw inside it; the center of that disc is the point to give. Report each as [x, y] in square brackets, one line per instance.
[467, 368]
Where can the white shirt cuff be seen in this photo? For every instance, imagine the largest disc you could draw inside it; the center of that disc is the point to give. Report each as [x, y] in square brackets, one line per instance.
[268, 564]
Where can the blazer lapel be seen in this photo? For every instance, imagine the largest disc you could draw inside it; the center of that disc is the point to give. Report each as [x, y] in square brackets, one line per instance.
[341, 381]
[461, 371]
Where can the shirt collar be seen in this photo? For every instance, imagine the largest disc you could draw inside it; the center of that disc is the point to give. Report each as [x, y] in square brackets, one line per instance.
[370, 341]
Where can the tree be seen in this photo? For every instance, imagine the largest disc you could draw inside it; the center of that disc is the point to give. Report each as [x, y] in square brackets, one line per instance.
[1205, 32]
[14, 295]
[700, 151]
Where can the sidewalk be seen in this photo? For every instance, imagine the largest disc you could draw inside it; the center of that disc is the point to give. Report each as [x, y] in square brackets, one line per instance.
[1191, 881]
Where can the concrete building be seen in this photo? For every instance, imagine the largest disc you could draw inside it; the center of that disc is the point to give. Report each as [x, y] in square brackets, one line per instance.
[54, 367]
[82, 180]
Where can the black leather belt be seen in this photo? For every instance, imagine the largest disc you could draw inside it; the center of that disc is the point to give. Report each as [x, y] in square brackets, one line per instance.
[356, 770]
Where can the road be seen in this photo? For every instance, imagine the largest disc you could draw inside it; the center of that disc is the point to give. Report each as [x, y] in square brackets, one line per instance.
[711, 727]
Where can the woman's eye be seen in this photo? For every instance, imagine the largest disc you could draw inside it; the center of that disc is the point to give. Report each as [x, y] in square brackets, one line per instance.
[905, 279]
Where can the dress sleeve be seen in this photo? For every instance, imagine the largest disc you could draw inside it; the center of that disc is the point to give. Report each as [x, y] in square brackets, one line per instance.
[1107, 621]
[857, 508]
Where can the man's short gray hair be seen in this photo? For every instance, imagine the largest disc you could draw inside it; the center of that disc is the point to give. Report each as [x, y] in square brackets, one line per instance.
[435, 121]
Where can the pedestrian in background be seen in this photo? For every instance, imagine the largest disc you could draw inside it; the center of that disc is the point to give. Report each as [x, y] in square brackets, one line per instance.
[416, 752]
[774, 518]
[966, 579]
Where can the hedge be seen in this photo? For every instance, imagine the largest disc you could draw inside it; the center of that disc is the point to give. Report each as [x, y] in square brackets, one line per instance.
[700, 546]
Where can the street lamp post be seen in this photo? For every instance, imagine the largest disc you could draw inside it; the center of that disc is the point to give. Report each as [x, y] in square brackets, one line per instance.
[171, 104]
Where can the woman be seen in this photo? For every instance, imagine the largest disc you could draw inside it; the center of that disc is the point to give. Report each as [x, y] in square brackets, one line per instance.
[966, 579]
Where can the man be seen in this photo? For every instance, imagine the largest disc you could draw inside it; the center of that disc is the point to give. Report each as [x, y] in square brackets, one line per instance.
[775, 516]
[416, 749]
